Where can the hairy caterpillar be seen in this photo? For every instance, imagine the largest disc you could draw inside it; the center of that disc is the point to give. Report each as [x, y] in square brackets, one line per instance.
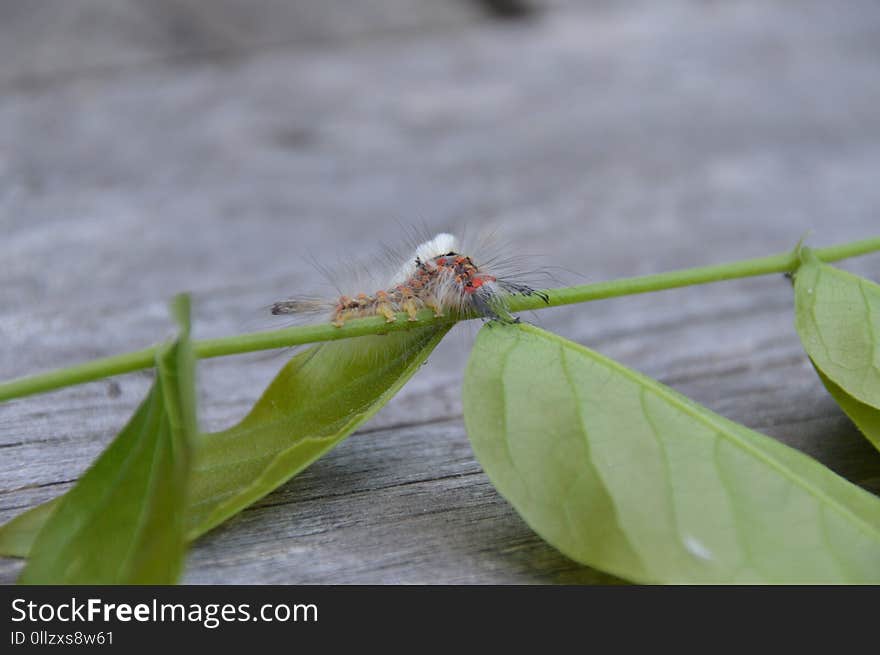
[437, 276]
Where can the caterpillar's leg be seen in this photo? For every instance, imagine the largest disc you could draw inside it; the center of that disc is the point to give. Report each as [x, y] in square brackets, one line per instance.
[339, 317]
[411, 307]
[432, 304]
[385, 309]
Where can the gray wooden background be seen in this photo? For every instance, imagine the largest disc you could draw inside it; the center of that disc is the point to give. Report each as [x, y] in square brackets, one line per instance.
[152, 147]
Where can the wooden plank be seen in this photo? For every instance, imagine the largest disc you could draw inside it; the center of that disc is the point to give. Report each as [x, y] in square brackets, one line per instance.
[48, 40]
[618, 141]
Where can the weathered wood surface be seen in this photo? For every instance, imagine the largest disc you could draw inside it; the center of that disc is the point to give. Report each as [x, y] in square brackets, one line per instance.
[615, 140]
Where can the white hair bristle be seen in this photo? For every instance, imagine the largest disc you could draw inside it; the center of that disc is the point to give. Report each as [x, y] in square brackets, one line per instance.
[439, 245]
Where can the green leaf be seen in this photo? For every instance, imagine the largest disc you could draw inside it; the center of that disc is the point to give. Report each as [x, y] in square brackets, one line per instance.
[624, 474]
[319, 398]
[17, 535]
[837, 315]
[866, 418]
[123, 521]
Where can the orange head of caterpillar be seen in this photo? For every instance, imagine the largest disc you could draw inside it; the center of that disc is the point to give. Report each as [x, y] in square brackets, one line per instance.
[477, 281]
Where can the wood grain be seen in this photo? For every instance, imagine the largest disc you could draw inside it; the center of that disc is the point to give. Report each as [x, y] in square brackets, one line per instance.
[610, 139]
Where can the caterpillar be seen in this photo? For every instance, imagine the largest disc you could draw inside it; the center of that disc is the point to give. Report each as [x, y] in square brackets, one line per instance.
[437, 276]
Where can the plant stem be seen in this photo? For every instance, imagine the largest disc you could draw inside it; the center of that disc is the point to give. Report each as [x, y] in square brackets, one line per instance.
[786, 262]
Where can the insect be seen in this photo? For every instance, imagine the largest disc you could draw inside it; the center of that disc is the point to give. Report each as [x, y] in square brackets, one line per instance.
[437, 276]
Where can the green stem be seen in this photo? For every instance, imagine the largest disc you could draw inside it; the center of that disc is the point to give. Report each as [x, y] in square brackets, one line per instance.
[786, 262]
